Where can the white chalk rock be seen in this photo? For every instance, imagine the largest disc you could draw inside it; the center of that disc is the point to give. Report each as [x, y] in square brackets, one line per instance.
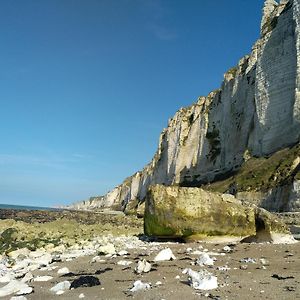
[63, 271]
[227, 249]
[18, 298]
[124, 262]
[205, 260]
[27, 278]
[6, 278]
[15, 286]
[122, 253]
[107, 249]
[143, 267]
[62, 286]
[14, 254]
[60, 292]
[42, 278]
[202, 280]
[43, 260]
[25, 290]
[139, 286]
[165, 254]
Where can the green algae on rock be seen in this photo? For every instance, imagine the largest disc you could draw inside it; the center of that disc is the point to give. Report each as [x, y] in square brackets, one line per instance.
[195, 214]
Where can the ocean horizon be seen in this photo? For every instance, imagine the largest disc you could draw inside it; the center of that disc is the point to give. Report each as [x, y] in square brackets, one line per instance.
[25, 207]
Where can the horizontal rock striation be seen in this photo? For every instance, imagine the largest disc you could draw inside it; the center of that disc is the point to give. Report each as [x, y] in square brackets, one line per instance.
[255, 113]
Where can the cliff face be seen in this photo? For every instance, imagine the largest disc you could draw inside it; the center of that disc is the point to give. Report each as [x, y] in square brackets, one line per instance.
[255, 113]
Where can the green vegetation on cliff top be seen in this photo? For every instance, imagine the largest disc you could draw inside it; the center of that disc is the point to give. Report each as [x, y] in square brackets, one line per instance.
[262, 174]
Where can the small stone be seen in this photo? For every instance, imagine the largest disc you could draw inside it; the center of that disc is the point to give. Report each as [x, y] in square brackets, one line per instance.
[124, 262]
[42, 278]
[98, 259]
[139, 286]
[264, 262]
[25, 290]
[227, 249]
[108, 249]
[62, 286]
[15, 286]
[204, 260]
[201, 280]
[63, 271]
[122, 253]
[85, 281]
[248, 260]
[60, 292]
[225, 268]
[143, 267]
[27, 278]
[164, 255]
[81, 296]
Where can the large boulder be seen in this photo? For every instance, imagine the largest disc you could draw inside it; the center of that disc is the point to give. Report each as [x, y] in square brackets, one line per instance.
[196, 214]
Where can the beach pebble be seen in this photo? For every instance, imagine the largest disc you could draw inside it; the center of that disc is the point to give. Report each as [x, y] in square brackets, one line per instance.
[248, 260]
[204, 260]
[27, 278]
[264, 262]
[63, 271]
[6, 278]
[227, 249]
[23, 252]
[62, 286]
[15, 286]
[81, 296]
[108, 249]
[165, 254]
[124, 262]
[201, 280]
[42, 278]
[44, 260]
[225, 268]
[60, 292]
[97, 259]
[139, 286]
[142, 267]
[25, 290]
[18, 298]
[122, 253]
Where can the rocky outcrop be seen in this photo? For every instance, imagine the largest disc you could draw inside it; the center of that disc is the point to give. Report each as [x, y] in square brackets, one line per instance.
[255, 113]
[193, 213]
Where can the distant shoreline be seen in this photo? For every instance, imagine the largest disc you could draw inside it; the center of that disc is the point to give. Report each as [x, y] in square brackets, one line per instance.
[25, 207]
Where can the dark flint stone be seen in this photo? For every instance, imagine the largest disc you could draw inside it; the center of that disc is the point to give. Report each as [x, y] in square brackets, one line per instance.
[85, 281]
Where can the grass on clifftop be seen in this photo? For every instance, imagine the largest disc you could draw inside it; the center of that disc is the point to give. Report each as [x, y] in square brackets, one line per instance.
[262, 174]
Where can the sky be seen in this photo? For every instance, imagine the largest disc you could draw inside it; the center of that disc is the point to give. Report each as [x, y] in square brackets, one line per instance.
[86, 86]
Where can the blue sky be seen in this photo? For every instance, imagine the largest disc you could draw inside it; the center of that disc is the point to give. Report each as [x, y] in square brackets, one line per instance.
[87, 86]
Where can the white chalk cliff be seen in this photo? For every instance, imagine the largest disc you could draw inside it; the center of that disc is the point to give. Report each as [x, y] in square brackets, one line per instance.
[255, 112]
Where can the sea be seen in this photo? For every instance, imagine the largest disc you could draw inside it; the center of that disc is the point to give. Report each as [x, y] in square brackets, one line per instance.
[24, 207]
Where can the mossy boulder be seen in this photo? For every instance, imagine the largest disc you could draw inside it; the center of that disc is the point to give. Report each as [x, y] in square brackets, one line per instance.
[195, 214]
